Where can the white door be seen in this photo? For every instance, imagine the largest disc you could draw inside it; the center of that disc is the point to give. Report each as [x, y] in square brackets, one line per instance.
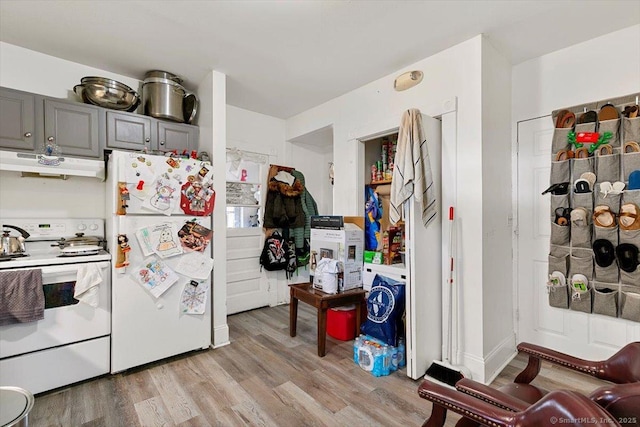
[247, 285]
[583, 335]
[424, 295]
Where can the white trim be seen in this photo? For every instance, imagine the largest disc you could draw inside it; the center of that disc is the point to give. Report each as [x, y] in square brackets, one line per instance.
[221, 336]
[390, 124]
[499, 358]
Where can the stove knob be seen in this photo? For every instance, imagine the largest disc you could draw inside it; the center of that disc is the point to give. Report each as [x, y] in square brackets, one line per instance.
[93, 226]
[82, 227]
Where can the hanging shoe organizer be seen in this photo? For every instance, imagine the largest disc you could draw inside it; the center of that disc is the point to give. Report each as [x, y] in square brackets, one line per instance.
[594, 257]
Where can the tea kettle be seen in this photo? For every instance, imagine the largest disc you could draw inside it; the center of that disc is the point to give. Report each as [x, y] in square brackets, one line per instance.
[10, 245]
[163, 97]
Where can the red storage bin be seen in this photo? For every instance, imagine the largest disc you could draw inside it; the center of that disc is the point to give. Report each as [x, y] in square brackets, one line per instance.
[341, 323]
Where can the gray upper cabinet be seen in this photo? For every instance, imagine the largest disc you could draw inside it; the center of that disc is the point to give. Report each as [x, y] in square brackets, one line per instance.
[17, 120]
[128, 131]
[179, 137]
[73, 126]
[27, 121]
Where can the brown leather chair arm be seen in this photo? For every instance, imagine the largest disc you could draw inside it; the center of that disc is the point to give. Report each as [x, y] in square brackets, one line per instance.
[565, 406]
[468, 406]
[491, 395]
[581, 365]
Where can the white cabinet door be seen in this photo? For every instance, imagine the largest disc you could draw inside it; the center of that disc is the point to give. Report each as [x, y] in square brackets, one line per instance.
[583, 335]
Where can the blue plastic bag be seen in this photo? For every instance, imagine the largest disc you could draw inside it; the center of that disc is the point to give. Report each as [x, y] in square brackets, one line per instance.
[385, 306]
[373, 214]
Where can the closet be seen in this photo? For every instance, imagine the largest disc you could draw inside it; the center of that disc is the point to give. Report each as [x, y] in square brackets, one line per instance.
[422, 267]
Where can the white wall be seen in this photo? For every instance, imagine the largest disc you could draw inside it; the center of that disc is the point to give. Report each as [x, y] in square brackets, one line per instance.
[312, 154]
[497, 289]
[605, 67]
[36, 72]
[455, 72]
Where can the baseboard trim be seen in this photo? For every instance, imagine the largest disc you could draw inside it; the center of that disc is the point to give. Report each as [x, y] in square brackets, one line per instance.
[220, 336]
[499, 357]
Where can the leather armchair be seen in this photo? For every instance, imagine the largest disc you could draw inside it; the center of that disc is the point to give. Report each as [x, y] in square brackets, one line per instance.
[558, 407]
[621, 399]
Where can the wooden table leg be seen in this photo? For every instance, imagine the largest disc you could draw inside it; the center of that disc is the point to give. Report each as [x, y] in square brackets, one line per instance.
[359, 316]
[322, 331]
[293, 314]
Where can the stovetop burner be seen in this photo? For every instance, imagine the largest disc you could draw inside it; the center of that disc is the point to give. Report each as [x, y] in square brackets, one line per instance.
[12, 256]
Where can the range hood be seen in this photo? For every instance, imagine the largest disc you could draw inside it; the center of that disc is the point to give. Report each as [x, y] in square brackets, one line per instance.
[47, 166]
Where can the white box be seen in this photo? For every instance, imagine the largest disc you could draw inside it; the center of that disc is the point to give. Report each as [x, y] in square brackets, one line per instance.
[343, 242]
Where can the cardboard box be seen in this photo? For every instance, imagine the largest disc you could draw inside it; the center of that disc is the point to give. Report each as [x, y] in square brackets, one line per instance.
[392, 246]
[342, 239]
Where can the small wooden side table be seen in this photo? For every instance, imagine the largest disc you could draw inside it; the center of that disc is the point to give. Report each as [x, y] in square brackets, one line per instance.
[322, 302]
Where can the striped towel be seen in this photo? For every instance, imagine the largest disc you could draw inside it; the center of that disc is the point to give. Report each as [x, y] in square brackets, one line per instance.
[21, 296]
[412, 170]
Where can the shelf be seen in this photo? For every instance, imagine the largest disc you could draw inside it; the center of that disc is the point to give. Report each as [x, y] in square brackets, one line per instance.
[380, 182]
[239, 205]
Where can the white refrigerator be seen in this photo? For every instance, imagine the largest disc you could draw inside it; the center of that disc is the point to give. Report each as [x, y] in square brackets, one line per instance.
[159, 233]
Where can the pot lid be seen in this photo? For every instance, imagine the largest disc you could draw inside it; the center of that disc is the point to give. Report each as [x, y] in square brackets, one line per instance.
[163, 75]
[80, 240]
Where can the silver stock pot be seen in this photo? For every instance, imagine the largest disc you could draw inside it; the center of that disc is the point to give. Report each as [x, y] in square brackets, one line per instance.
[163, 97]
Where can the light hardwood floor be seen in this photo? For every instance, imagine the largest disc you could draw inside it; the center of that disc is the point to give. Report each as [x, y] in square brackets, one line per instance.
[263, 378]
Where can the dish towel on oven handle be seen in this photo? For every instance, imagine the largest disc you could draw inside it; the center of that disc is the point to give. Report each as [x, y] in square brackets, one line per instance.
[87, 281]
[21, 296]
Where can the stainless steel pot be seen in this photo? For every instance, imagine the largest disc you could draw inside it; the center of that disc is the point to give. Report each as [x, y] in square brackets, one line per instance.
[16, 403]
[107, 93]
[80, 243]
[163, 97]
[10, 245]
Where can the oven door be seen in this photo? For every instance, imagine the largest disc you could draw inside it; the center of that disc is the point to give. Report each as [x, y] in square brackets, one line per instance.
[65, 320]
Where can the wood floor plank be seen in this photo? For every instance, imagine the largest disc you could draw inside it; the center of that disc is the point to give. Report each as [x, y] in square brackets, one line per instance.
[271, 402]
[153, 413]
[263, 378]
[302, 403]
[178, 403]
[209, 401]
[253, 415]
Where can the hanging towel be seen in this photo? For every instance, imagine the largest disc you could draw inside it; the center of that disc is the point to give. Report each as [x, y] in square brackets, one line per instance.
[412, 170]
[87, 281]
[21, 296]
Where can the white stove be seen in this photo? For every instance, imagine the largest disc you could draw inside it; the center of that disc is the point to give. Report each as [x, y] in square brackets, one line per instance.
[41, 248]
[72, 342]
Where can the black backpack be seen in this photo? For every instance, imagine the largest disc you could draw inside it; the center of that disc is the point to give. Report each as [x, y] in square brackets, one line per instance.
[275, 253]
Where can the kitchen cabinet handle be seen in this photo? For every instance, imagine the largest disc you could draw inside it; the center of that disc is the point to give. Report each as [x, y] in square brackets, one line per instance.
[27, 135]
[147, 139]
[161, 142]
[51, 139]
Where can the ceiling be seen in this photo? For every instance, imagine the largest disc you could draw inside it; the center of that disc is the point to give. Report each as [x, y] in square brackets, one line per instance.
[284, 57]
